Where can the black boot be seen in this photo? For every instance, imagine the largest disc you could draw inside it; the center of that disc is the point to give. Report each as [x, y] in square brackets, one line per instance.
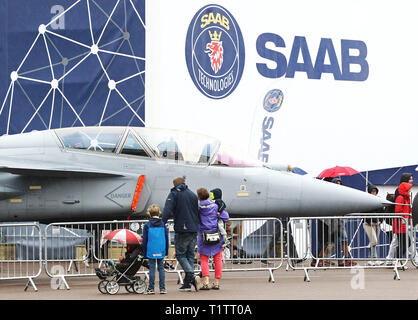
[187, 282]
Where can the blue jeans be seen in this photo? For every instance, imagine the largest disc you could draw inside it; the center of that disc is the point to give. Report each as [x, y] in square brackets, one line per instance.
[185, 244]
[161, 272]
[341, 237]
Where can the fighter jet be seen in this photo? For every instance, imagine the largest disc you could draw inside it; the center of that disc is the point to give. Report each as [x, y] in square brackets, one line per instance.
[108, 173]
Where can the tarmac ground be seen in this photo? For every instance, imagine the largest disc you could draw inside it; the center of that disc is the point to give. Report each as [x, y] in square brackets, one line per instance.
[332, 284]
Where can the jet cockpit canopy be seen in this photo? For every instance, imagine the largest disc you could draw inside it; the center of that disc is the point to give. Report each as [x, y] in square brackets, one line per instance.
[188, 147]
[103, 139]
[176, 145]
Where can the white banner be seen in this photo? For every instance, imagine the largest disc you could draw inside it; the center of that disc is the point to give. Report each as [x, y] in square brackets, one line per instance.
[346, 72]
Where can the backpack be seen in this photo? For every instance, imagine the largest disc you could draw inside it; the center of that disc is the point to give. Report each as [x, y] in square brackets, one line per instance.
[391, 207]
[156, 246]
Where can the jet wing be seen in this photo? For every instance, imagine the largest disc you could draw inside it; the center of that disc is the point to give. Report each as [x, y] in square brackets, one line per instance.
[59, 173]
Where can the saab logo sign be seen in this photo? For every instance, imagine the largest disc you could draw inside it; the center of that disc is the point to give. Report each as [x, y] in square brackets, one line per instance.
[215, 53]
[273, 100]
[351, 58]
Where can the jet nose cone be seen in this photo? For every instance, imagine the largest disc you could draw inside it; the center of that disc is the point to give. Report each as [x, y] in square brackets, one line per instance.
[328, 198]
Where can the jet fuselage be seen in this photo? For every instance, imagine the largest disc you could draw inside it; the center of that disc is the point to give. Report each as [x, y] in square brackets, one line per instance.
[42, 180]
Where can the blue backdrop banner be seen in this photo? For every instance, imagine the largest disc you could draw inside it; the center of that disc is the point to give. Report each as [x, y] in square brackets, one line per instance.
[71, 63]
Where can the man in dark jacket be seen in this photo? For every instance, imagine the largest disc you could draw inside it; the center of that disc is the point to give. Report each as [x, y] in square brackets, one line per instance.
[182, 205]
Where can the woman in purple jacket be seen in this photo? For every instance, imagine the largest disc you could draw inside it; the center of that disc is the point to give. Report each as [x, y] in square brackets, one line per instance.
[209, 223]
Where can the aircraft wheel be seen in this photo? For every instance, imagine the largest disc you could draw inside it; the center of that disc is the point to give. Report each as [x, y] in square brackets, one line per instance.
[102, 286]
[139, 286]
[112, 287]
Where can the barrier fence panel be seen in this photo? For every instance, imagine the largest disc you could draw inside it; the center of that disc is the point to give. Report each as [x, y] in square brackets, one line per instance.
[20, 252]
[414, 250]
[254, 244]
[354, 241]
[77, 249]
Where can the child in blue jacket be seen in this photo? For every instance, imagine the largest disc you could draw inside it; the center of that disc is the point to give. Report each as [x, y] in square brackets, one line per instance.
[155, 244]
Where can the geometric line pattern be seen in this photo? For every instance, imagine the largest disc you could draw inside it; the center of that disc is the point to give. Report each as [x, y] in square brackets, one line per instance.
[96, 50]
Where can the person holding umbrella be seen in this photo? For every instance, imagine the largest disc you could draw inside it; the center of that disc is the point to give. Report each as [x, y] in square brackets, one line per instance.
[133, 250]
[339, 232]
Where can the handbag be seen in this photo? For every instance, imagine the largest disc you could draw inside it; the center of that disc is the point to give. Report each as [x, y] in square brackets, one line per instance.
[211, 237]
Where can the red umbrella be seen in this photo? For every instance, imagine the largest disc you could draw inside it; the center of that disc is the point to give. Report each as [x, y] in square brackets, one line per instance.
[124, 236]
[337, 172]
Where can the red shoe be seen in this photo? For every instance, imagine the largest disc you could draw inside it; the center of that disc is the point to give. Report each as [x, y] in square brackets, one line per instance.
[347, 263]
[320, 264]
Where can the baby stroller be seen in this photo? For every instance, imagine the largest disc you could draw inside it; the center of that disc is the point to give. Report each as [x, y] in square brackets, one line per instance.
[123, 274]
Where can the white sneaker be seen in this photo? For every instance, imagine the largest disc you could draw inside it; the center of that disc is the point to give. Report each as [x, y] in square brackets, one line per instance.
[378, 263]
[85, 261]
[400, 265]
[370, 263]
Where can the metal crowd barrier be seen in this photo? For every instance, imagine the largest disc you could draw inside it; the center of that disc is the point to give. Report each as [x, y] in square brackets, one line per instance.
[75, 249]
[353, 241]
[414, 250]
[255, 244]
[20, 252]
